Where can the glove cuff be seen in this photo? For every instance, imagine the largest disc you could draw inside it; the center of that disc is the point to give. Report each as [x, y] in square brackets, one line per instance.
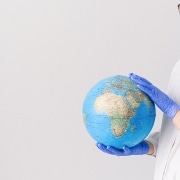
[145, 147]
[173, 110]
[141, 148]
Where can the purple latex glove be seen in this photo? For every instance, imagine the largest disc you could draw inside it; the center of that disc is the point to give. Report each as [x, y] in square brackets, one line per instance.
[139, 149]
[165, 103]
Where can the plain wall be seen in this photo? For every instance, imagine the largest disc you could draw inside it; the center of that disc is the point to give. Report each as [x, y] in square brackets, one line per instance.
[51, 53]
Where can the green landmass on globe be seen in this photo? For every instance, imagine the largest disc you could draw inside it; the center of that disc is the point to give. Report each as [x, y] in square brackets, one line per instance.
[117, 113]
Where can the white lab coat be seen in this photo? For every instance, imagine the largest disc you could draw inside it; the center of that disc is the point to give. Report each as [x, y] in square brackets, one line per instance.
[167, 141]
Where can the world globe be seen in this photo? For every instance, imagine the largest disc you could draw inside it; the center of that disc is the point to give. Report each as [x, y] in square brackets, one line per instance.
[117, 113]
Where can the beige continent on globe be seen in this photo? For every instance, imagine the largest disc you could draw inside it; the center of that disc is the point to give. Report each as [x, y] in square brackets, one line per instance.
[120, 109]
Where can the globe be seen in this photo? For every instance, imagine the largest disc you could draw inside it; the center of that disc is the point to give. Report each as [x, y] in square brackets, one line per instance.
[117, 113]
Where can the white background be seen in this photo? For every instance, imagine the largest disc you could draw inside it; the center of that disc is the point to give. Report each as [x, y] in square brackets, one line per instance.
[51, 53]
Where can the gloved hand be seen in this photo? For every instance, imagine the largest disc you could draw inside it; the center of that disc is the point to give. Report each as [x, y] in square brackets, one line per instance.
[165, 103]
[139, 149]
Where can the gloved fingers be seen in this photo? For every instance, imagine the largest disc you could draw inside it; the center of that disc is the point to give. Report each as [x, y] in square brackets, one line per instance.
[127, 150]
[155, 94]
[117, 152]
[148, 91]
[140, 80]
[103, 148]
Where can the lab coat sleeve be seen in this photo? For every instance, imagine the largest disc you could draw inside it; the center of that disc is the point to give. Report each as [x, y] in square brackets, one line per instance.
[154, 139]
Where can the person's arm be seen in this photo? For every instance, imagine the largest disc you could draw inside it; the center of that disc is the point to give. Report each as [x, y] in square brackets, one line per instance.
[153, 140]
[176, 120]
[151, 148]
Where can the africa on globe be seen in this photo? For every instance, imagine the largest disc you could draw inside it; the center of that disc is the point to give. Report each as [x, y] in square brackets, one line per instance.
[116, 113]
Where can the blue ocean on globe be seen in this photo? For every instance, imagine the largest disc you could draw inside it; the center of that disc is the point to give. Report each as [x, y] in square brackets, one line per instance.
[117, 113]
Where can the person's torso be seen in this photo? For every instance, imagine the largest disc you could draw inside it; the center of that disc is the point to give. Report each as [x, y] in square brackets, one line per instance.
[168, 153]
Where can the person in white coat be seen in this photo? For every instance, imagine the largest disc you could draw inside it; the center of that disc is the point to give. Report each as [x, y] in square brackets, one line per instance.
[165, 144]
